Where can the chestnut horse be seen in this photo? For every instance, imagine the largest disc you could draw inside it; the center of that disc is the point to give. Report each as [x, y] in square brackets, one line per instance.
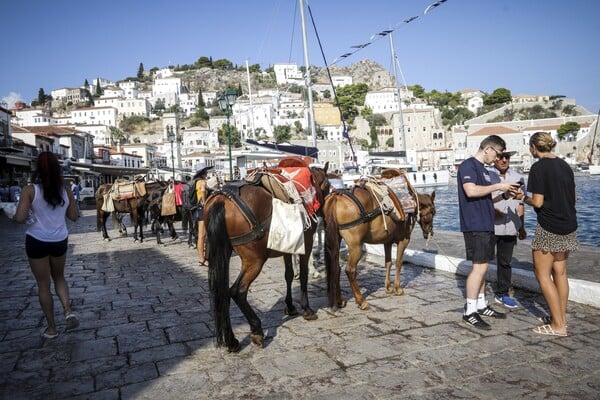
[355, 215]
[134, 206]
[238, 217]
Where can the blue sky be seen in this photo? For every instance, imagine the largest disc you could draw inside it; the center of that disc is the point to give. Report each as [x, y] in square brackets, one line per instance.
[529, 47]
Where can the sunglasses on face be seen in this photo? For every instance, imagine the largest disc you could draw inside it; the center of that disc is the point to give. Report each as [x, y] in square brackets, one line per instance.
[504, 156]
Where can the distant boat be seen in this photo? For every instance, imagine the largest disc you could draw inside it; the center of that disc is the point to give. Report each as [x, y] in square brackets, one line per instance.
[594, 167]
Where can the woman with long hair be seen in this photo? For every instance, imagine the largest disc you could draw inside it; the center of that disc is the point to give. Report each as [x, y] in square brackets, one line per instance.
[44, 206]
[552, 186]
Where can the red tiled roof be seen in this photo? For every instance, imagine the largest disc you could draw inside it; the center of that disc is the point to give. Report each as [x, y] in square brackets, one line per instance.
[493, 130]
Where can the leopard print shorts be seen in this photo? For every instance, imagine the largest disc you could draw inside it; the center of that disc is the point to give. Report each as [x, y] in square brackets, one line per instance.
[547, 241]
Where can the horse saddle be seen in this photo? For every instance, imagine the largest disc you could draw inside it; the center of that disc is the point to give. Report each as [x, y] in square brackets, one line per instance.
[122, 190]
[389, 202]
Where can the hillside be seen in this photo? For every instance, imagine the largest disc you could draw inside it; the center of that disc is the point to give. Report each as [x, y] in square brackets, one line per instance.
[208, 79]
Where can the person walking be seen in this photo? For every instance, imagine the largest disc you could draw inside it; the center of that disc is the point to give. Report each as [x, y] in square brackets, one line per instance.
[75, 190]
[44, 206]
[552, 186]
[509, 223]
[476, 213]
[201, 193]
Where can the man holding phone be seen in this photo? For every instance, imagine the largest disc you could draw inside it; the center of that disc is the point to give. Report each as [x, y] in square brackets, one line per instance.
[508, 225]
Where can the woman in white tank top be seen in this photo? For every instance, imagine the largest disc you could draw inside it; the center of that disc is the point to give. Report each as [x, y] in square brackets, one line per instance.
[44, 206]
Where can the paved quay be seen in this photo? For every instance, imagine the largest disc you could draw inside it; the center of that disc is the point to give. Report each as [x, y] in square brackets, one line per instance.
[146, 333]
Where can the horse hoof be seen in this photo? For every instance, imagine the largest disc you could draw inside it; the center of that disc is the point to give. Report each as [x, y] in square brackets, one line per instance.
[342, 303]
[389, 290]
[399, 292]
[107, 239]
[234, 347]
[290, 311]
[364, 306]
[310, 315]
[257, 339]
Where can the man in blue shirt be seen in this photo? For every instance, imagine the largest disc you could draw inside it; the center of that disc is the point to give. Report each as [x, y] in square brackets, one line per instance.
[476, 211]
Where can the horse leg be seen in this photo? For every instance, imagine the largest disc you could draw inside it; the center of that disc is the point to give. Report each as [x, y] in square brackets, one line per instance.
[290, 309]
[308, 314]
[354, 255]
[387, 248]
[102, 222]
[134, 220]
[171, 225]
[398, 291]
[157, 223]
[239, 294]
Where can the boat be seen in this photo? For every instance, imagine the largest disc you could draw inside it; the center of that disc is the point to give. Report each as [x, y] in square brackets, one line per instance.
[594, 162]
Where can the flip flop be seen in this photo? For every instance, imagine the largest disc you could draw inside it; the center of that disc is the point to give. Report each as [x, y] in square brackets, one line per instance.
[545, 319]
[47, 335]
[72, 321]
[203, 263]
[547, 330]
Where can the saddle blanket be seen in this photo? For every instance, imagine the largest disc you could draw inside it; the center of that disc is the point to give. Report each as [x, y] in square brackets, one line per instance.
[301, 177]
[399, 186]
[286, 233]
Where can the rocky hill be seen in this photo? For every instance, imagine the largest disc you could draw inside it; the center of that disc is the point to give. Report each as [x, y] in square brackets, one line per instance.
[208, 79]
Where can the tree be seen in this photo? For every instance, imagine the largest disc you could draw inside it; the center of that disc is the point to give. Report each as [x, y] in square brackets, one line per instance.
[140, 73]
[223, 64]
[201, 98]
[86, 84]
[326, 94]
[204, 62]
[281, 133]
[41, 96]
[498, 96]
[417, 90]
[570, 128]
[224, 138]
[98, 88]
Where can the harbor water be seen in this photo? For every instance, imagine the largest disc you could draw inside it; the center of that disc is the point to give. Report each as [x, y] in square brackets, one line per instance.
[588, 207]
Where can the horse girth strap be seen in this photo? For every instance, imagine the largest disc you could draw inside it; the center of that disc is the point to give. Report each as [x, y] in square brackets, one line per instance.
[257, 230]
[364, 215]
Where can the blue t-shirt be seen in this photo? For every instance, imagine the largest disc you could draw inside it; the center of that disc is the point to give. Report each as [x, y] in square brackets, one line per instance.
[476, 213]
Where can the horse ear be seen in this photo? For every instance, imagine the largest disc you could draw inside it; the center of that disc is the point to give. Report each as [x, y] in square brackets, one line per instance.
[326, 167]
[432, 196]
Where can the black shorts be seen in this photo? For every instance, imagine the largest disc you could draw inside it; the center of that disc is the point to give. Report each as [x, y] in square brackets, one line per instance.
[480, 246]
[199, 213]
[38, 249]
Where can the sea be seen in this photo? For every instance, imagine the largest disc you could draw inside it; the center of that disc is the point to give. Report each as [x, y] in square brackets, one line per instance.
[588, 209]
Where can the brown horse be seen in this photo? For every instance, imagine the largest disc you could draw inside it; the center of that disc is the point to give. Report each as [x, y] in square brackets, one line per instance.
[355, 215]
[134, 206]
[238, 217]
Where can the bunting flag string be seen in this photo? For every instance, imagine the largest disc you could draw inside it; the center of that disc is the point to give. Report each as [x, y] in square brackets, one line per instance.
[384, 33]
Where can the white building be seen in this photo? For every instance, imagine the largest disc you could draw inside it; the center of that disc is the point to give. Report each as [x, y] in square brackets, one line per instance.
[287, 73]
[474, 104]
[130, 89]
[386, 99]
[101, 133]
[34, 117]
[341, 80]
[125, 107]
[196, 139]
[66, 95]
[112, 91]
[188, 103]
[94, 116]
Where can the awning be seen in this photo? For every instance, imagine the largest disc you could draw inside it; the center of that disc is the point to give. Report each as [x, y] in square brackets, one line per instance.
[16, 160]
[113, 170]
[288, 148]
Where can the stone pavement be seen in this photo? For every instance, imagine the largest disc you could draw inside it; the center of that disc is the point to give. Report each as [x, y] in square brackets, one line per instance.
[146, 334]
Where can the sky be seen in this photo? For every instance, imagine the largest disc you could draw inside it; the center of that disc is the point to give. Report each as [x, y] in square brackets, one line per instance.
[541, 47]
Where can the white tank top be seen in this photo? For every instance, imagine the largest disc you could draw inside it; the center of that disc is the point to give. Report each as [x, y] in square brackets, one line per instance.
[50, 223]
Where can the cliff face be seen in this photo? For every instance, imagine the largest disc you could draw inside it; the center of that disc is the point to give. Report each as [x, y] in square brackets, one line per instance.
[207, 79]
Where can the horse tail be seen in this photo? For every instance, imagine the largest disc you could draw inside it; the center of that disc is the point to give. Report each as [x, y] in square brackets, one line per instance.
[332, 248]
[219, 254]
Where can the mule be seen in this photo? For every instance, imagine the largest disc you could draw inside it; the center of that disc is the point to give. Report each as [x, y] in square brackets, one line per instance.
[355, 215]
[133, 206]
[153, 204]
[238, 217]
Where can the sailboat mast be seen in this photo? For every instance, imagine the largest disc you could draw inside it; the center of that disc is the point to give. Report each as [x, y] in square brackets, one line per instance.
[311, 117]
[402, 144]
[250, 99]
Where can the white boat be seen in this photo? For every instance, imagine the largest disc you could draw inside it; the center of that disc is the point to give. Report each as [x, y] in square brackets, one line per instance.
[594, 169]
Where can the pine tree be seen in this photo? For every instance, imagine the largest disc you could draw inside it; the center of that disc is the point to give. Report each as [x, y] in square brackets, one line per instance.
[86, 84]
[98, 88]
[41, 96]
[200, 99]
[140, 73]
